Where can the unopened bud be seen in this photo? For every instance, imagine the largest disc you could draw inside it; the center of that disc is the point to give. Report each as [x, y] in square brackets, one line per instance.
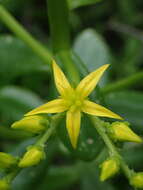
[7, 160]
[109, 168]
[33, 124]
[121, 131]
[137, 180]
[32, 157]
[4, 185]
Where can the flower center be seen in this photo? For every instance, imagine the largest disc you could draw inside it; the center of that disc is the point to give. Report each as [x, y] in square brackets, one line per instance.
[74, 102]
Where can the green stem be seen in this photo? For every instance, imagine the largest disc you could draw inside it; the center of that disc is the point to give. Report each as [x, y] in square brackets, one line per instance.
[58, 15]
[19, 30]
[59, 24]
[54, 123]
[72, 71]
[124, 83]
[99, 125]
[9, 177]
[41, 141]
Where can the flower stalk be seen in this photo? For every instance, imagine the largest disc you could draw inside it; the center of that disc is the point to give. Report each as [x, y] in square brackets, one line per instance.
[58, 15]
[39, 143]
[113, 151]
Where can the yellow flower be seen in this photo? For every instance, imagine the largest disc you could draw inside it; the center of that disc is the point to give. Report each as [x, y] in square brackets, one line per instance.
[109, 168]
[4, 185]
[33, 124]
[121, 131]
[137, 180]
[75, 101]
[32, 157]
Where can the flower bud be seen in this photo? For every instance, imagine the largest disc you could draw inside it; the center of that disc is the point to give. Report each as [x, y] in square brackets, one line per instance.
[32, 157]
[4, 185]
[33, 124]
[121, 131]
[109, 168]
[137, 180]
[7, 161]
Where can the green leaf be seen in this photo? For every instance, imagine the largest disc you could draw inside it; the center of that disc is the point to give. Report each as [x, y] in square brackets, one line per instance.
[78, 3]
[92, 50]
[17, 59]
[15, 101]
[132, 57]
[129, 104]
[13, 7]
[133, 154]
[60, 178]
[91, 181]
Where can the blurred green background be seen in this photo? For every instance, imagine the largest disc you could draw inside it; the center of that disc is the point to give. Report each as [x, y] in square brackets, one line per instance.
[106, 32]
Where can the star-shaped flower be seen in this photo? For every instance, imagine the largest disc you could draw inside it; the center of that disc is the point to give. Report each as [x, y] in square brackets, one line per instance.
[74, 101]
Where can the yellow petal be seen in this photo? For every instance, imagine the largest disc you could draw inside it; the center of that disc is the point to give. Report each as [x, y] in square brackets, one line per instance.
[61, 82]
[73, 126]
[86, 86]
[54, 106]
[95, 109]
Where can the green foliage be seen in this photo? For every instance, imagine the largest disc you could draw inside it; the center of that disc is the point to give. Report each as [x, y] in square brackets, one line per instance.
[92, 50]
[16, 59]
[129, 105]
[15, 101]
[78, 3]
[108, 32]
[91, 181]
